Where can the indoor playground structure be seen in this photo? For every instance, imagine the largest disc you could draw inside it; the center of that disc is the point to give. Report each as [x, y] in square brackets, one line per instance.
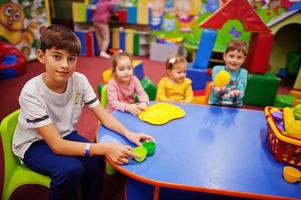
[157, 28]
[272, 30]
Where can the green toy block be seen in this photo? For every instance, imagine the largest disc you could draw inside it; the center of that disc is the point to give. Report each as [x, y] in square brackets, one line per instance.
[150, 88]
[261, 89]
[282, 101]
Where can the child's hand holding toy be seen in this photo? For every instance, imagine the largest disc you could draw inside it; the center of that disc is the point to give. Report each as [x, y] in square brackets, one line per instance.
[220, 90]
[221, 80]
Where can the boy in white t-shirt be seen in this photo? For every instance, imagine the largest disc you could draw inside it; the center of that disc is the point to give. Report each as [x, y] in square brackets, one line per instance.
[45, 138]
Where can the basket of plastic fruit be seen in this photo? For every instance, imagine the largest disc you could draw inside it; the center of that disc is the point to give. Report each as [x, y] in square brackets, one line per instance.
[284, 148]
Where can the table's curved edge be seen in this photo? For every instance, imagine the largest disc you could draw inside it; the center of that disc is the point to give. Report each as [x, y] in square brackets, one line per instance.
[194, 188]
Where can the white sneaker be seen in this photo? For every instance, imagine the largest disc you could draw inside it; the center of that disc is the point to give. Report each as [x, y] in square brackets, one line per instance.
[104, 55]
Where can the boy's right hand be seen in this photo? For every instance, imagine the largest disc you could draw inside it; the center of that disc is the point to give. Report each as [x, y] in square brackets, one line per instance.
[120, 154]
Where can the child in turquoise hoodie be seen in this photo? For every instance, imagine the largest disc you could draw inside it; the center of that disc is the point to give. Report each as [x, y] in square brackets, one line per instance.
[232, 94]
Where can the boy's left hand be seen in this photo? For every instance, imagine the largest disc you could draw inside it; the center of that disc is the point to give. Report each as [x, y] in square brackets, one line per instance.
[137, 138]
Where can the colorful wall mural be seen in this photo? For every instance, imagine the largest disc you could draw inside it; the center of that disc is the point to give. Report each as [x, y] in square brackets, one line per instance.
[21, 22]
[174, 20]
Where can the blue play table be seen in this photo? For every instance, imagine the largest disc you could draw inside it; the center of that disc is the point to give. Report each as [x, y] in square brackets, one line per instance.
[213, 150]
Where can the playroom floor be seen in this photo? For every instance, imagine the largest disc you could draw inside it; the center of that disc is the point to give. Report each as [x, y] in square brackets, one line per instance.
[92, 68]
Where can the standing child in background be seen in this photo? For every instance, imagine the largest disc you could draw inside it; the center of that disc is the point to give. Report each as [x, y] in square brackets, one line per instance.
[175, 87]
[123, 86]
[45, 138]
[233, 93]
[104, 9]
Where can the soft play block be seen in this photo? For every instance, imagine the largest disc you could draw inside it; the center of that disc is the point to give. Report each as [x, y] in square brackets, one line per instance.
[90, 12]
[150, 88]
[115, 38]
[261, 89]
[87, 42]
[259, 62]
[141, 41]
[282, 101]
[79, 12]
[143, 14]
[136, 44]
[122, 40]
[122, 16]
[197, 76]
[205, 49]
[138, 69]
[132, 15]
[129, 40]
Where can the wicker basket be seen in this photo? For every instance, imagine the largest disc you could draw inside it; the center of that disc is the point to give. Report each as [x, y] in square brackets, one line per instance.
[284, 149]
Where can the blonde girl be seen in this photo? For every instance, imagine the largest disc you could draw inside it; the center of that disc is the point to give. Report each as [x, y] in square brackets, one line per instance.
[124, 85]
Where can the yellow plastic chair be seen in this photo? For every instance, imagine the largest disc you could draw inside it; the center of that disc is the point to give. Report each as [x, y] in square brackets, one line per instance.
[15, 173]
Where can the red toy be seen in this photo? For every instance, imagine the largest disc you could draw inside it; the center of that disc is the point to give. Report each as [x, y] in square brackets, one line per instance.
[12, 61]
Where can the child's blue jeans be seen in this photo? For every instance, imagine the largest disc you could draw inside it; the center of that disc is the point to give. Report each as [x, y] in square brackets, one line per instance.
[69, 174]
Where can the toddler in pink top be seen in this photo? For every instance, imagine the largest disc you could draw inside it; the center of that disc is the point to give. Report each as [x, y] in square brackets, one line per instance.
[123, 86]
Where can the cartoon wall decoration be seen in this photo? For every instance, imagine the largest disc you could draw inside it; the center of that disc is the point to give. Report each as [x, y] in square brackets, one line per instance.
[157, 14]
[183, 11]
[180, 19]
[21, 22]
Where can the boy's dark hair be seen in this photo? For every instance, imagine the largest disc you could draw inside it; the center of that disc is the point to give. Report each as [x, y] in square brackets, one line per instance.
[59, 37]
[237, 45]
[117, 57]
[172, 60]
